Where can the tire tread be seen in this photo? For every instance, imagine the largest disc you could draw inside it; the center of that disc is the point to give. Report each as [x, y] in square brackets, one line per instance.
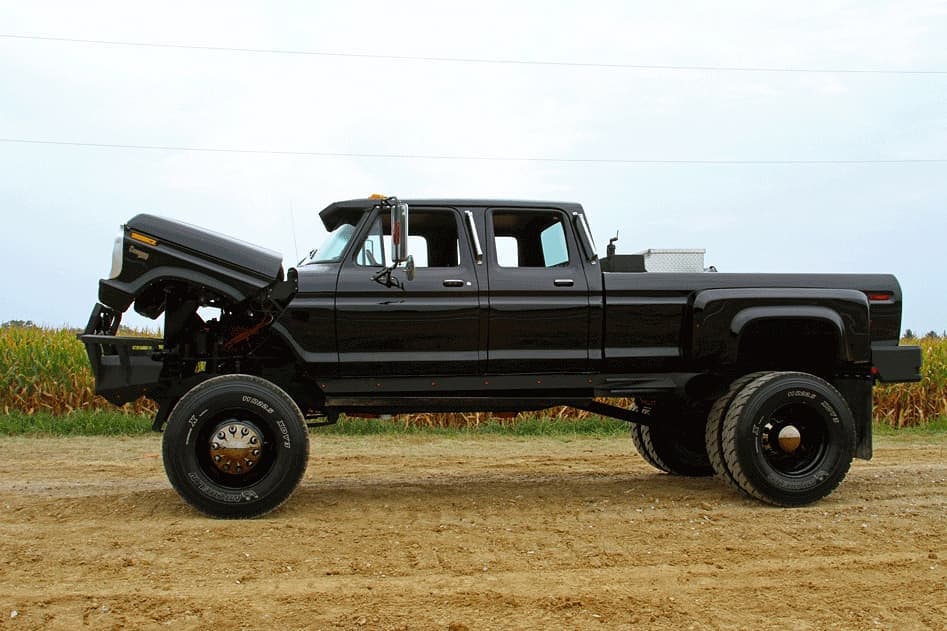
[215, 382]
[729, 438]
[645, 448]
[712, 432]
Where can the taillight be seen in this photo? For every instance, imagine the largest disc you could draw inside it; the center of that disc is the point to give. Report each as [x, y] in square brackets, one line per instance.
[879, 296]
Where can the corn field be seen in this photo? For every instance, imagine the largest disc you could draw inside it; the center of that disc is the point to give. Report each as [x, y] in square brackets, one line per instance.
[46, 370]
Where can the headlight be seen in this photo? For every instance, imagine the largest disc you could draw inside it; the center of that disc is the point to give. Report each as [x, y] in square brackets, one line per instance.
[117, 256]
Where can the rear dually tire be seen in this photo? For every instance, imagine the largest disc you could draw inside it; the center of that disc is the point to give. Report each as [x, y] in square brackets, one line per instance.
[788, 438]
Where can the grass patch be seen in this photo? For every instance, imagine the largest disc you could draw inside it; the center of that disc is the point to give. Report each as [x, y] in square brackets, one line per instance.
[933, 426]
[84, 423]
[116, 423]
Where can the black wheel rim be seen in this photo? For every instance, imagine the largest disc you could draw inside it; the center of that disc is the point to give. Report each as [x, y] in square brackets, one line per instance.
[207, 455]
[794, 439]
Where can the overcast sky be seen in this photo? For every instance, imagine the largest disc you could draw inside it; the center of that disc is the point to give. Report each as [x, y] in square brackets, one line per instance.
[62, 206]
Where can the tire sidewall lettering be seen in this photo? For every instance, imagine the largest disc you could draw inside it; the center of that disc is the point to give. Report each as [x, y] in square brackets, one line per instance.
[813, 400]
[207, 408]
[836, 425]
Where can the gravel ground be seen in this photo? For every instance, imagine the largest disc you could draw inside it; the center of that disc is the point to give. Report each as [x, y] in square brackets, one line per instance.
[412, 532]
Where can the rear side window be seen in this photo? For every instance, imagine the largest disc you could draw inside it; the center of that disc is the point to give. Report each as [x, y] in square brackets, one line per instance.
[529, 239]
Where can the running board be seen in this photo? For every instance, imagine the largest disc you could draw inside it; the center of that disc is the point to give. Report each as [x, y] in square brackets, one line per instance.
[448, 403]
[624, 386]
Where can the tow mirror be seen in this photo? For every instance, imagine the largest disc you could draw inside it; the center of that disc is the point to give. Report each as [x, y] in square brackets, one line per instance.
[399, 232]
[399, 245]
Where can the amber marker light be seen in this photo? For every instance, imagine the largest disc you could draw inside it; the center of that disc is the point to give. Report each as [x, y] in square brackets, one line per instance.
[377, 196]
[137, 236]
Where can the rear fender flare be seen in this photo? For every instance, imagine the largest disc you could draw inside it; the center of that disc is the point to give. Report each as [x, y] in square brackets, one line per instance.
[720, 317]
[756, 315]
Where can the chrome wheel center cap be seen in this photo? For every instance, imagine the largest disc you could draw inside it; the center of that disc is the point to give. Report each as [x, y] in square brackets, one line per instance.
[235, 447]
[789, 439]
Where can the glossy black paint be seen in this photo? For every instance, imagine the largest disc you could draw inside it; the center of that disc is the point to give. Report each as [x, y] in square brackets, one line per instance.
[538, 316]
[472, 332]
[210, 245]
[308, 322]
[232, 269]
[656, 321]
[426, 326]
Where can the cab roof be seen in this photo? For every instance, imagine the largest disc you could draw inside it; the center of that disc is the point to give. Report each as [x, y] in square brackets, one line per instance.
[333, 214]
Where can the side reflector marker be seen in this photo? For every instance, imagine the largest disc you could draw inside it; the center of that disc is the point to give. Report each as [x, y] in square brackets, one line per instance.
[137, 236]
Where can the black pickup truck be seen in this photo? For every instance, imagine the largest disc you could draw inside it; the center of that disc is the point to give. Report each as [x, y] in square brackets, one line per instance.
[471, 305]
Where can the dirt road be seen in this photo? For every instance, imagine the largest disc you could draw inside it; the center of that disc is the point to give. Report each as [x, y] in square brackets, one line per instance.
[422, 533]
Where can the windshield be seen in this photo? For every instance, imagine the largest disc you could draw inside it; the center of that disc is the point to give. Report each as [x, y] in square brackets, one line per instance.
[332, 248]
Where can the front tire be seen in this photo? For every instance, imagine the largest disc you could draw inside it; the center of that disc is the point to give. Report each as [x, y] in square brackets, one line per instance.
[236, 446]
[788, 438]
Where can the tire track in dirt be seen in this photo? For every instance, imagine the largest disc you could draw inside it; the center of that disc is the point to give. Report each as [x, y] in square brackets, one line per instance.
[413, 532]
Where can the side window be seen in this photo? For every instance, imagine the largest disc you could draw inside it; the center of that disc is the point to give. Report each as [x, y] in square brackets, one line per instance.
[507, 252]
[432, 240]
[372, 251]
[553, 240]
[529, 239]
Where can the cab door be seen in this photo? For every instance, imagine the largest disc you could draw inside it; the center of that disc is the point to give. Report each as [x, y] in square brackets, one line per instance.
[426, 326]
[538, 296]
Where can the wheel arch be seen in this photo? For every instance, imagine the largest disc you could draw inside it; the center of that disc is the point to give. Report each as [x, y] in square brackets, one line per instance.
[120, 295]
[778, 329]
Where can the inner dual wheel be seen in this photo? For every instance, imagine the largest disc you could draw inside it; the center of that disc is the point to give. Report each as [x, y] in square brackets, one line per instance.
[236, 446]
[786, 438]
[672, 449]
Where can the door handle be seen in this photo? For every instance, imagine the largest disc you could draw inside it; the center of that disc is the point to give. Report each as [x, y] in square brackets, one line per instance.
[453, 283]
[563, 282]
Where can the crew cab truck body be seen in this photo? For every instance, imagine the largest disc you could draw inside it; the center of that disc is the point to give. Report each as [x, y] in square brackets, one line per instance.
[474, 305]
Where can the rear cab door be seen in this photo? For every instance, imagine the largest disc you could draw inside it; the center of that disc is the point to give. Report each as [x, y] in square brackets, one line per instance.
[539, 295]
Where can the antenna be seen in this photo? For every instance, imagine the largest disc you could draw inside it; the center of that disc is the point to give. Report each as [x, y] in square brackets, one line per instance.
[292, 222]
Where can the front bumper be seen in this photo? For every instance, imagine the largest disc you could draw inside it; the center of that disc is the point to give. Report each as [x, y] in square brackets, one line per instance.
[893, 364]
[125, 368]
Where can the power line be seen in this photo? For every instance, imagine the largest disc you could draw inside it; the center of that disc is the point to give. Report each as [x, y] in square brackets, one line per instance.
[474, 60]
[421, 156]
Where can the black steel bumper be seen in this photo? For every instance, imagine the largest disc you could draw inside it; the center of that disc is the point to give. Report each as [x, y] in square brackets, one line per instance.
[125, 368]
[892, 364]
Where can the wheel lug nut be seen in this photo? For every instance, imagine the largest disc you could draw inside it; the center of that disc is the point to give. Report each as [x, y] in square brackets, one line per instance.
[221, 435]
[256, 452]
[233, 430]
[244, 431]
[215, 446]
[253, 440]
[217, 458]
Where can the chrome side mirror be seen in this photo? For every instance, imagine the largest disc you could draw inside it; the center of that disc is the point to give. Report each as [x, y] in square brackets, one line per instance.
[399, 232]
